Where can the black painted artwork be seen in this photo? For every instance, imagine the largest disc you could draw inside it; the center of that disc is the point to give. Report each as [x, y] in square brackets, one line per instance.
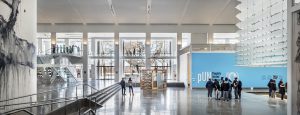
[297, 60]
[13, 49]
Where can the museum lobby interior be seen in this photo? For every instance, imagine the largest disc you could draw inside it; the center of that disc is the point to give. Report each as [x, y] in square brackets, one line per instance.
[149, 57]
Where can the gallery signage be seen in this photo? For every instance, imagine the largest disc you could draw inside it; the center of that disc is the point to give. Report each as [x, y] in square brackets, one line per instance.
[222, 65]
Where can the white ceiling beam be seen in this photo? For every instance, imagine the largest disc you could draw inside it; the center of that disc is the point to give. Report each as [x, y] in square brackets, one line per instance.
[186, 6]
[219, 12]
[230, 28]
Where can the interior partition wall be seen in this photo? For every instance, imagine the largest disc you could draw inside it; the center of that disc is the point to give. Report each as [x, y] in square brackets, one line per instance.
[101, 55]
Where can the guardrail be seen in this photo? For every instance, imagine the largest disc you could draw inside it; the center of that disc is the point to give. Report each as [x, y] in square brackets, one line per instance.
[31, 103]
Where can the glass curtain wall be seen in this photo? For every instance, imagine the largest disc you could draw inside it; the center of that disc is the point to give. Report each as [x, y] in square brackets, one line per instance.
[44, 45]
[70, 43]
[132, 54]
[101, 55]
[163, 53]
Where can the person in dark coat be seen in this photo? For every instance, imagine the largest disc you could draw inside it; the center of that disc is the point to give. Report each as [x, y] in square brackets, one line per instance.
[226, 86]
[239, 86]
[209, 87]
[282, 89]
[273, 87]
[270, 88]
[122, 83]
[217, 89]
[235, 87]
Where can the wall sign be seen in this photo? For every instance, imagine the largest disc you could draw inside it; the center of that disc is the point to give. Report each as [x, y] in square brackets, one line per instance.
[218, 65]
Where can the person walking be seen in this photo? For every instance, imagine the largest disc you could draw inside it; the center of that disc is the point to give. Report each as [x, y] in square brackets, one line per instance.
[226, 87]
[281, 89]
[122, 83]
[130, 86]
[209, 87]
[217, 89]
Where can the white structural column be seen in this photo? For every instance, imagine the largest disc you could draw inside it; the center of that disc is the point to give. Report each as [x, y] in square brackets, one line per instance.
[210, 37]
[18, 79]
[117, 56]
[179, 45]
[85, 57]
[293, 103]
[53, 40]
[148, 50]
[93, 67]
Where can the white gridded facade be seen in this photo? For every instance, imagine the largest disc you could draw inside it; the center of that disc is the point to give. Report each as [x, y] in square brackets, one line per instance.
[263, 33]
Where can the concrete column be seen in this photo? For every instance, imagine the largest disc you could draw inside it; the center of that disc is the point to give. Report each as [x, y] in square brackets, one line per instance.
[53, 40]
[210, 37]
[293, 103]
[93, 46]
[40, 47]
[18, 79]
[85, 67]
[179, 45]
[148, 50]
[117, 57]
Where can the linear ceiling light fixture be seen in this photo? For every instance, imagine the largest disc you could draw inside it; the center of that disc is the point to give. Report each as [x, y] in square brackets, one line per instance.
[111, 8]
[148, 7]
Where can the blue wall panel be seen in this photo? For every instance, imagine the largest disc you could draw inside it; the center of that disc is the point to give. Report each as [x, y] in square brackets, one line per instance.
[217, 65]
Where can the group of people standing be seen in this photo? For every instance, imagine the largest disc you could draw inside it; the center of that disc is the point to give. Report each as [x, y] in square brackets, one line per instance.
[272, 88]
[130, 86]
[223, 88]
[66, 49]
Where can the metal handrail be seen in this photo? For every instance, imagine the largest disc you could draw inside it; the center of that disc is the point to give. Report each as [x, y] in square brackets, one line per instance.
[88, 111]
[35, 94]
[66, 98]
[46, 92]
[39, 105]
[15, 111]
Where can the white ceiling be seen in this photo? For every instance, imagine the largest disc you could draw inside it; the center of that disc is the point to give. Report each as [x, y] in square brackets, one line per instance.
[135, 11]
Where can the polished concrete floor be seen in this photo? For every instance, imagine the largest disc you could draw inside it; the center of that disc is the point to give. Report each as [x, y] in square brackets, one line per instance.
[180, 101]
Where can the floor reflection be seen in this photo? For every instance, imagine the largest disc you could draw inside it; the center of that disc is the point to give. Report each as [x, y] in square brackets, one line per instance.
[180, 101]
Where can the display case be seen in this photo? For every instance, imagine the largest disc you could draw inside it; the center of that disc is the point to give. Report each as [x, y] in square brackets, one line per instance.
[153, 79]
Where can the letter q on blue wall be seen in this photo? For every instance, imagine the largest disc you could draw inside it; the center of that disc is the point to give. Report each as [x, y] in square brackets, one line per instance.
[217, 65]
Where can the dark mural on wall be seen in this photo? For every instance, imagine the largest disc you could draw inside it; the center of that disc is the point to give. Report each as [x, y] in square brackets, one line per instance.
[16, 55]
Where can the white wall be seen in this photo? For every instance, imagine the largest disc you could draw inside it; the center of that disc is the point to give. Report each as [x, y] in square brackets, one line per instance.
[184, 69]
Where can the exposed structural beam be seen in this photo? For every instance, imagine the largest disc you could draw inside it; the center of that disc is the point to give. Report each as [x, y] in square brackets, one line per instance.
[148, 11]
[112, 11]
[219, 12]
[136, 28]
[186, 6]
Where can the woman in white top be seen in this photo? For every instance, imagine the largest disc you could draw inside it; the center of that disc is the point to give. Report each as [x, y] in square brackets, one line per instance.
[130, 86]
